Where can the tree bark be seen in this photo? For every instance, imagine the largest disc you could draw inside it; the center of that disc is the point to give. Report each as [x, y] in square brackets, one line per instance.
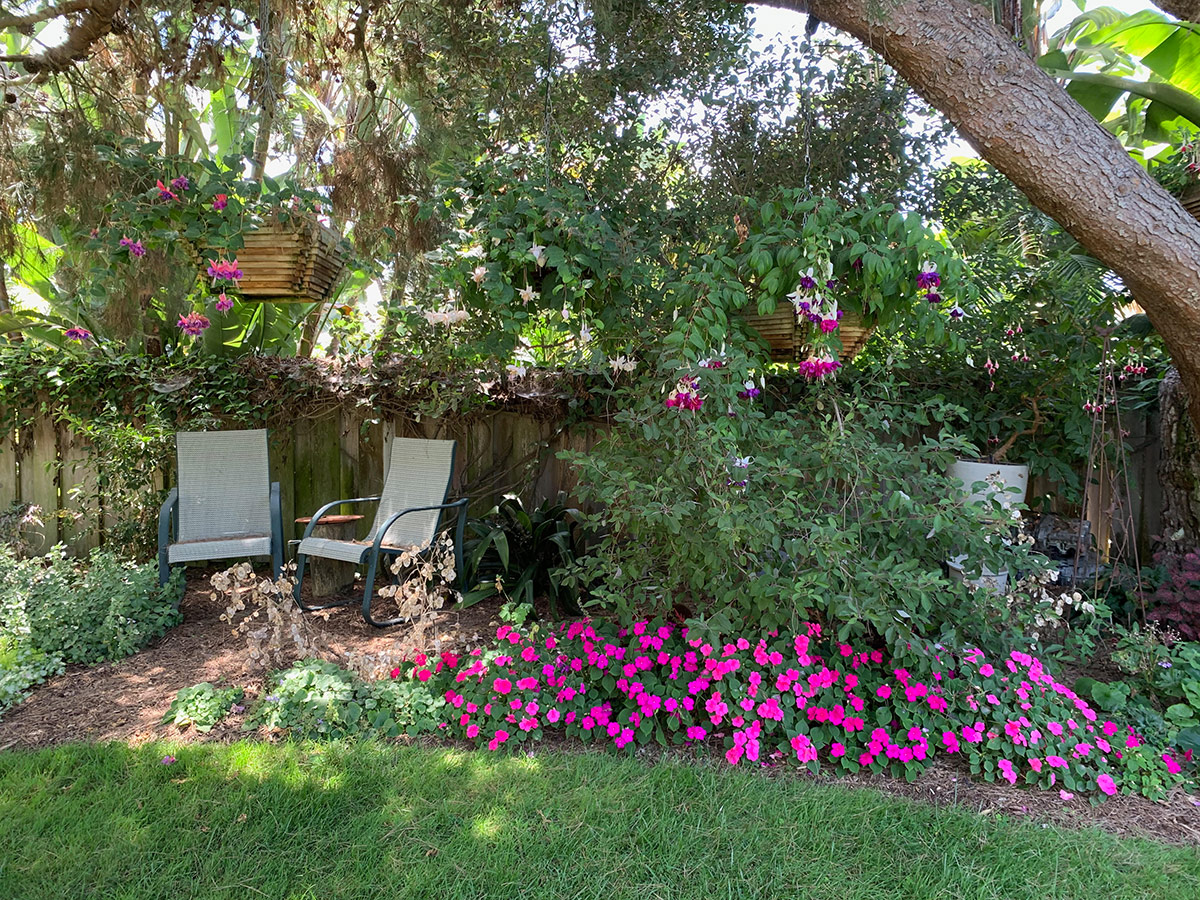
[1187, 10]
[1178, 469]
[1022, 122]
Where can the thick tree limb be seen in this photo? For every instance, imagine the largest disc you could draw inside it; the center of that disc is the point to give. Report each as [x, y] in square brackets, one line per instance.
[95, 21]
[1187, 10]
[1024, 123]
[44, 14]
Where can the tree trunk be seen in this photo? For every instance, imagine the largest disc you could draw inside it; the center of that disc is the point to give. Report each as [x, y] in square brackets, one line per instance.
[1022, 122]
[1178, 469]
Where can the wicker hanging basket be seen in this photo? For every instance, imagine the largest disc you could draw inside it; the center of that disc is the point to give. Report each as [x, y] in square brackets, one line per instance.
[298, 261]
[787, 338]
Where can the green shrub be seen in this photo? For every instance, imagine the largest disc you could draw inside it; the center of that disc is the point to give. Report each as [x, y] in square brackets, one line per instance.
[55, 611]
[202, 705]
[841, 515]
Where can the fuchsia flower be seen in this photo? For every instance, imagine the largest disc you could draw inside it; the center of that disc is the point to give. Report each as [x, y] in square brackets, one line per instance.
[224, 304]
[75, 333]
[928, 277]
[193, 323]
[135, 248]
[180, 184]
[220, 201]
[814, 367]
[685, 395]
[828, 325]
[226, 269]
[164, 192]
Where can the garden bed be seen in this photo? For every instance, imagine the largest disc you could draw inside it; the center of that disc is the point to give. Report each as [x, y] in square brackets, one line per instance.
[126, 701]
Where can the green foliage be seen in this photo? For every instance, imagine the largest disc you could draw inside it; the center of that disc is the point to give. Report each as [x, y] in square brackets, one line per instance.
[202, 705]
[403, 707]
[105, 608]
[55, 611]
[735, 514]
[521, 554]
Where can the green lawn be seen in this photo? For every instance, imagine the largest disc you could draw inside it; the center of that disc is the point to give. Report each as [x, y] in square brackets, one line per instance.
[369, 820]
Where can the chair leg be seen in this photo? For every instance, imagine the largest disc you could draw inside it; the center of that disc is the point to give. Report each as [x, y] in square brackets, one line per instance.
[164, 567]
[368, 589]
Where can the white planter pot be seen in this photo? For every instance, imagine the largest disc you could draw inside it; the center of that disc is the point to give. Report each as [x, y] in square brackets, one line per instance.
[1010, 476]
[993, 582]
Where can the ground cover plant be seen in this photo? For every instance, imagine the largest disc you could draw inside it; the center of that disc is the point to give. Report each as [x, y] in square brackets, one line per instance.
[367, 819]
[56, 611]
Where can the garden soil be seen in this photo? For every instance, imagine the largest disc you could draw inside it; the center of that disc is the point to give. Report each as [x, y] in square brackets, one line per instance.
[126, 700]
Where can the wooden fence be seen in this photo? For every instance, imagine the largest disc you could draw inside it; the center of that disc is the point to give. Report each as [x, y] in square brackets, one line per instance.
[316, 460]
[340, 454]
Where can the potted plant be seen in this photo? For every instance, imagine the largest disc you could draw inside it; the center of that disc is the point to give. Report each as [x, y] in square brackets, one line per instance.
[820, 277]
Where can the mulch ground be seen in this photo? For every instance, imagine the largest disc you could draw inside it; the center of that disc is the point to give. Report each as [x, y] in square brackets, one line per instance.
[125, 701]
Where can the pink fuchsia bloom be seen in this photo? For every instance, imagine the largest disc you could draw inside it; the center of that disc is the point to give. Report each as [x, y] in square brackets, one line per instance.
[814, 367]
[135, 248]
[224, 304]
[220, 201]
[928, 277]
[193, 324]
[226, 269]
[1106, 784]
[164, 192]
[75, 333]
[828, 325]
[685, 395]
[180, 184]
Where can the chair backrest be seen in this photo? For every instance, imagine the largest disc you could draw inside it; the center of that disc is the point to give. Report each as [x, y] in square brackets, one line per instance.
[419, 475]
[224, 484]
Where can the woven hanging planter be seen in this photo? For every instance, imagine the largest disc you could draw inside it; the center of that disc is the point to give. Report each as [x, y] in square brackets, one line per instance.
[788, 339]
[299, 261]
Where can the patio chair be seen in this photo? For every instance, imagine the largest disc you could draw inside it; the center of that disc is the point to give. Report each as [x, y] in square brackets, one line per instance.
[409, 512]
[225, 506]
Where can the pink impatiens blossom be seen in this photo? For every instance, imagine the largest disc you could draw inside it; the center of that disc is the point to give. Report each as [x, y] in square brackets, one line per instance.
[1105, 782]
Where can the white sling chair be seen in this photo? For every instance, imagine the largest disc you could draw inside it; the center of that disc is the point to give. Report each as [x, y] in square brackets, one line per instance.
[410, 509]
[225, 506]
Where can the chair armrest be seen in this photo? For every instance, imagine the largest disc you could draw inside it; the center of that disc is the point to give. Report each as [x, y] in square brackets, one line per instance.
[383, 529]
[328, 506]
[170, 506]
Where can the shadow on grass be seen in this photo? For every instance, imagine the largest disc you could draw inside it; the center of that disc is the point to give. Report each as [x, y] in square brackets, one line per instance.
[352, 820]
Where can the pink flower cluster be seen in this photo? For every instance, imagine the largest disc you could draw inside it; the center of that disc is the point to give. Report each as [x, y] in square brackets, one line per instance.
[814, 367]
[193, 324]
[226, 269]
[778, 698]
[135, 248]
[685, 395]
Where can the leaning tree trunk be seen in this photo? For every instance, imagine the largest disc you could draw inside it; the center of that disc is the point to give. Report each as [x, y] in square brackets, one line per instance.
[1024, 123]
[1178, 469]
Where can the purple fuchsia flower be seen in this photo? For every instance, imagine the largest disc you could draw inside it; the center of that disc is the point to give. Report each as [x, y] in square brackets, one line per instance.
[828, 325]
[226, 269]
[75, 333]
[180, 184]
[685, 395]
[928, 277]
[220, 201]
[808, 283]
[934, 297]
[224, 304]
[750, 391]
[857, 265]
[164, 192]
[193, 323]
[135, 248]
[957, 312]
[831, 284]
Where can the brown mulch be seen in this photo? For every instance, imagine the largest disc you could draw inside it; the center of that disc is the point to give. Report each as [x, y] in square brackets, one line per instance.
[125, 701]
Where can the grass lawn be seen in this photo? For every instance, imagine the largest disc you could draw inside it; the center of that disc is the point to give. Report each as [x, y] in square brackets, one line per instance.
[371, 820]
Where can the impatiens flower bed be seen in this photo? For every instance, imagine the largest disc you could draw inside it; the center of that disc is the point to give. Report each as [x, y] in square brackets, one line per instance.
[799, 699]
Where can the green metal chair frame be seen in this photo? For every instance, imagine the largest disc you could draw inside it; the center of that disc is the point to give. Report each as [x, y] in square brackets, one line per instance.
[404, 450]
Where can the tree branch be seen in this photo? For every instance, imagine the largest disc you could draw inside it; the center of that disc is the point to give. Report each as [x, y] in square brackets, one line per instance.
[95, 22]
[1184, 10]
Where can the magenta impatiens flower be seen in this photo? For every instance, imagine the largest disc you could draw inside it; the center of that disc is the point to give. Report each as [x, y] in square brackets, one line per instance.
[75, 333]
[1105, 783]
[193, 324]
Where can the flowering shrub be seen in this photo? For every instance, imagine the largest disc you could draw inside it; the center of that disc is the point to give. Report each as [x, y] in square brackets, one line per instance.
[710, 506]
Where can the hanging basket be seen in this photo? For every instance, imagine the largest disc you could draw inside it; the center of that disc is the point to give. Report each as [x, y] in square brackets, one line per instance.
[788, 339]
[298, 261]
[1191, 200]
